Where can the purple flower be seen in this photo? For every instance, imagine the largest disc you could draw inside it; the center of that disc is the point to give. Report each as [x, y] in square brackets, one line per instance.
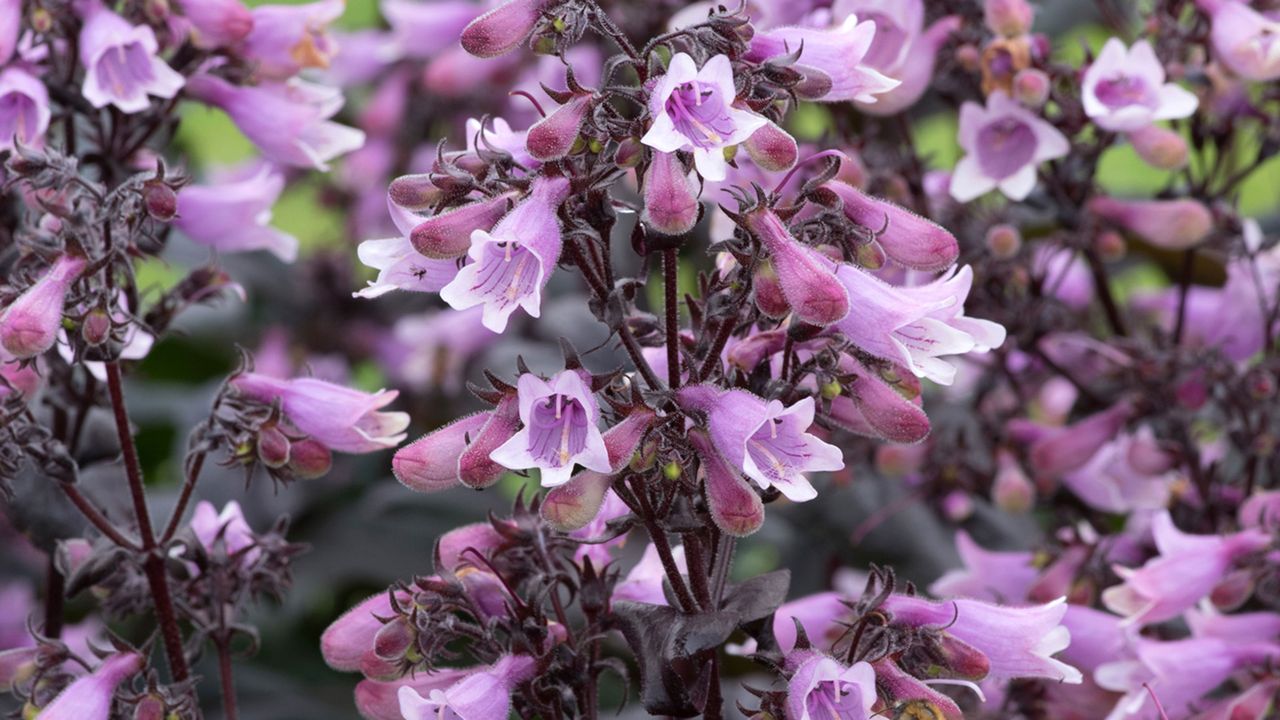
[121, 67]
[1170, 224]
[916, 326]
[512, 263]
[502, 29]
[1004, 143]
[837, 53]
[430, 351]
[380, 700]
[1019, 642]
[286, 39]
[24, 108]
[907, 238]
[644, 583]
[1125, 90]
[901, 49]
[342, 419]
[89, 698]
[423, 29]
[1111, 482]
[29, 326]
[823, 689]
[1186, 570]
[288, 122]
[808, 279]
[233, 215]
[228, 526]
[10, 28]
[217, 23]
[770, 442]
[987, 575]
[430, 463]
[1244, 39]
[1065, 449]
[560, 430]
[16, 377]
[484, 694]
[693, 110]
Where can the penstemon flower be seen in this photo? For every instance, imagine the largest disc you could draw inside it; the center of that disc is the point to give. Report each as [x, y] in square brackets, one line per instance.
[340, 418]
[1125, 89]
[560, 429]
[24, 108]
[121, 65]
[1004, 143]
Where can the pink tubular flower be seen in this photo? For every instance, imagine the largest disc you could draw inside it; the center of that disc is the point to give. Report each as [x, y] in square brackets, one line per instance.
[288, 122]
[286, 39]
[1168, 224]
[1125, 90]
[349, 640]
[89, 698]
[430, 464]
[1186, 570]
[229, 526]
[907, 238]
[483, 694]
[10, 28]
[1110, 481]
[987, 575]
[342, 419]
[447, 235]
[24, 108]
[1018, 641]
[502, 29]
[902, 48]
[29, 326]
[837, 53]
[670, 196]
[512, 263]
[1063, 450]
[735, 508]
[1004, 143]
[823, 689]
[809, 280]
[1244, 39]
[217, 23]
[693, 110]
[380, 700]
[873, 408]
[916, 326]
[560, 430]
[771, 443]
[233, 216]
[121, 67]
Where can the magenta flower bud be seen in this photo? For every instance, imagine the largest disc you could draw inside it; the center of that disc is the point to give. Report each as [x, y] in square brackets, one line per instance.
[24, 108]
[430, 464]
[216, 23]
[735, 508]
[343, 419]
[512, 264]
[349, 638]
[452, 547]
[1011, 490]
[871, 407]
[840, 691]
[772, 149]
[121, 63]
[234, 214]
[767, 293]
[502, 29]
[1004, 241]
[807, 278]
[1169, 224]
[89, 698]
[160, 201]
[573, 505]
[476, 469]
[1159, 147]
[227, 527]
[380, 700]
[1031, 87]
[393, 639]
[414, 192]
[1244, 39]
[553, 136]
[309, 459]
[1008, 17]
[670, 196]
[1186, 570]
[273, 447]
[286, 39]
[483, 693]
[448, 235]
[95, 328]
[29, 326]
[1069, 448]
[907, 238]
[561, 429]
[150, 707]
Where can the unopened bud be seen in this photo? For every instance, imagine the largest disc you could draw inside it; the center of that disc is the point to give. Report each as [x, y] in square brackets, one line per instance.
[394, 639]
[273, 447]
[502, 29]
[552, 137]
[772, 149]
[831, 390]
[1031, 87]
[157, 11]
[1110, 246]
[149, 707]
[957, 506]
[309, 459]
[1012, 490]
[414, 192]
[768, 293]
[629, 153]
[670, 196]
[160, 200]
[96, 327]
[672, 471]
[969, 57]
[1160, 147]
[1004, 241]
[41, 20]
[1008, 17]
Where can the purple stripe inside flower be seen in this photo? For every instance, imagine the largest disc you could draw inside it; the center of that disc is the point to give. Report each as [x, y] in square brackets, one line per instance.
[700, 113]
[557, 430]
[1006, 146]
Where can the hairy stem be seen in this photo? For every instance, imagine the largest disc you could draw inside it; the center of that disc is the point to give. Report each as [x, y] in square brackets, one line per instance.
[670, 278]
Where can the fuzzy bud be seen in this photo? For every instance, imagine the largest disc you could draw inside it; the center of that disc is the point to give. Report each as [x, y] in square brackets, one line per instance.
[552, 137]
[772, 149]
[571, 506]
[414, 192]
[1167, 224]
[309, 459]
[29, 326]
[907, 238]
[1110, 245]
[735, 507]
[1012, 490]
[1008, 17]
[670, 196]
[476, 469]
[1160, 147]
[1031, 87]
[160, 200]
[807, 278]
[273, 447]
[448, 235]
[430, 464]
[768, 293]
[1003, 241]
[502, 29]
[96, 326]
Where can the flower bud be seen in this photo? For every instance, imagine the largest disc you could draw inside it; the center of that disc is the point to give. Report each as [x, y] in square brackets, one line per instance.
[273, 447]
[899, 461]
[414, 192]
[768, 292]
[907, 238]
[1008, 17]
[573, 505]
[1168, 224]
[807, 278]
[1069, 448]
[309, 459]
[502, 29]
[394, 639]
[1031, 87]
[448, 235]
[430, 464]
[772, 149]
[670, 196]
[346, 641]
[1160, 147]
[453, 546]
[957, 506]
[871, 407]
[1004, 241]
[553, 136]
[475, 468]
[29, 326]
[160, 200]
[1012, 490]
[735, 508]
[1110, 246]
[969, 57]
[150, 707]
[629, 153]
[96, 326]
